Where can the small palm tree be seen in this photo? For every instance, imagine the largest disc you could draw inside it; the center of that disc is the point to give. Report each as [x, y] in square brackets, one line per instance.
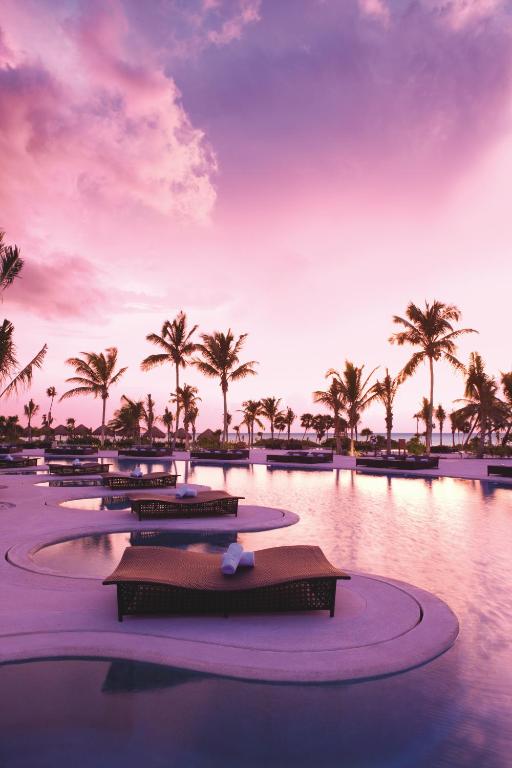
[187, 395]
[167, 420]
[149, 416]
[251, 410]
[306, 421]
[367, 433]
[385, 391]
[355, 393]
[70, 426]
[440, 415]
[175, 341]
[332, 398]
[270, 411]
[319, 425]
[220, 359]
[51, 392]
[191, 421]
[30, 411]
[289, 418]
[431, 329]
[128, 417]
[95, 374]
[280, 423]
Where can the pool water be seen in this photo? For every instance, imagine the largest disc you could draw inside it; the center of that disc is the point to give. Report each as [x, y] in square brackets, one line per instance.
[452, 537]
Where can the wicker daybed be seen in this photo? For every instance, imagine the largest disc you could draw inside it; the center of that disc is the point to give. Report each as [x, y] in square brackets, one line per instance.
[19, 462]
[300, 457]
[160, 580]
[390, 462]
[87, 468]
[234, 454]
[499, 469]
[147, 453]
[71, 450]
[205, 504]
[123, 480]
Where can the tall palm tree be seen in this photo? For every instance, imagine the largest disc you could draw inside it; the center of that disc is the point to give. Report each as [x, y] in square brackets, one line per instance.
[332, 398]
[251, 410]
[424, 415]
[175, 341]
[167, 420]
[220, 359]
[95, 374]
[149, 416]
[355, 393]
[431, 329]
[481, 402]
[506, 385]
[128, 417]
[319, 425]
[306, 421]
[30, 411]
[187, 395]
[385, 391]
[440, 415]
[270, 411]
[51, 392]
[289, 418]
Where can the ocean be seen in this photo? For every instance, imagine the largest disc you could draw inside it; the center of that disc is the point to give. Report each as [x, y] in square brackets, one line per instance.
[436, 436]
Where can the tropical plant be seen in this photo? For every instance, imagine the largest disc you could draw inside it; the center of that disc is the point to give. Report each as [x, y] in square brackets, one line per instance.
[95, 374]
[128, 417]
[356, 394]
[220, 359]
[187, 395]
[506, 385]
[289, 418]
[191, 421]
[280, 423]
[385, 391]
[367, 433]
[440, 415]
[167, 421]
[481, 404]
[30, 410]
[306, 421]
[431, 329]
[332, 398]
[51, 392]
[251, 410]
[319, 425]
[11, 263]
[70, 426]
[175, 341]
[270, 411]
[149, 416]
[9, 427]
[46, 423]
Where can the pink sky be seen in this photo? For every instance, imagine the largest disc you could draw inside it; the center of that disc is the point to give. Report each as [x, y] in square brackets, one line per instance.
[297, 170]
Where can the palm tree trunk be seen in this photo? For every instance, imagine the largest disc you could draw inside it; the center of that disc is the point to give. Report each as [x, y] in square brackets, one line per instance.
[225, 402]
[430, 407]
[441, 432]
[271, 429]
[505, 436]
[453, 438]
[389, 426]
[29, 429]
[177, 419]
[103, 414]
[288, 431]
[337, 435]
[352, 440]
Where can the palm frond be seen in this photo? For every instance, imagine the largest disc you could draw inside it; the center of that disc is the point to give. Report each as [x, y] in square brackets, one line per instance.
[24, 377]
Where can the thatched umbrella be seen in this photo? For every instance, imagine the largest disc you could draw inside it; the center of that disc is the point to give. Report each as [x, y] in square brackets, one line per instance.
[61, 431]
[182, 434]
[108, 431]
[208, 434]
[155, 432]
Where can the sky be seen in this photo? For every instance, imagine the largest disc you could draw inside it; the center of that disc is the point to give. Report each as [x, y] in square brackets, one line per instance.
[297, 170]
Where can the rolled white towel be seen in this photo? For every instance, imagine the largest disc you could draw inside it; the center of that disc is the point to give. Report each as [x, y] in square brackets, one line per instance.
[9, 457]
[186, 491]
[231, 559]
[137, 472]
[76, 462]
[247, 559]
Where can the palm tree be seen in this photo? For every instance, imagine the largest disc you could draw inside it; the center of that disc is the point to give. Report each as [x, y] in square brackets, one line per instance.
[424, 414]
[167, 420]
[280, 423]
[332, 398]
[355, 393]
[270, 411]
[46, 423]
[128, 417]
[9, 427]
[220, 359]
[481, 403]
[289, 418]
[149, 416]
[506, 385]
[70, 425]
[385, 391]
[251, 410]
[51, 392]
[306, 421]
[192, 417]
[95, 374]
[319, 425]
[432, 331]
[440, 415]
[367, 433]
[176, 342]
[188, 399]
[30, 411]
[11, 263]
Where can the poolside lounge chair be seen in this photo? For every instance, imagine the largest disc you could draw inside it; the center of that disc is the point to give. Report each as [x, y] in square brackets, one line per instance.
[205, 504]
[124, 480]
[300, 457]
[87, 468]
[160, 580]
[152, 453]
[18, 462]
[234, 454]
[499, 469]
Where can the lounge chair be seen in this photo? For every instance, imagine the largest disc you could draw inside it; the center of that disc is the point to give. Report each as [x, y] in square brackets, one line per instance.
[152, 453]
[298, 457]
[205, 504]
[124, 480]
[161, 580]
[235, 454]
[19, 462]
[499, 469]
[87, 468]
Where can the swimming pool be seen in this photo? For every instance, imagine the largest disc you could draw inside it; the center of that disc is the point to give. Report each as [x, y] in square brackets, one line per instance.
[451, 537]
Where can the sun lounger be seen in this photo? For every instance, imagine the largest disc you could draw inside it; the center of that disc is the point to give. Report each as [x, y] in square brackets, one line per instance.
[152, 453]
[500, 469]
[19, 462]
[87, 468]
[241, 454]
[204, 504]
[162, 580]
[123, 480]
[412, 462]
[297, 457]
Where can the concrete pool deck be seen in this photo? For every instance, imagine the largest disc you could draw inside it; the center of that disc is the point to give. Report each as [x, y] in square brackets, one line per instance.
[381, 626]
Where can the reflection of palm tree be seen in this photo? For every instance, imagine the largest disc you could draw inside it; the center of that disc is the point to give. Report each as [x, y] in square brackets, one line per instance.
[432, 331]
[175, 341]
[220, 359]
[95, 374]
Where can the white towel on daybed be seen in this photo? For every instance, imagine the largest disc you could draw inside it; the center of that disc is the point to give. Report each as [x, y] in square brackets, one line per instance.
[231, 559]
